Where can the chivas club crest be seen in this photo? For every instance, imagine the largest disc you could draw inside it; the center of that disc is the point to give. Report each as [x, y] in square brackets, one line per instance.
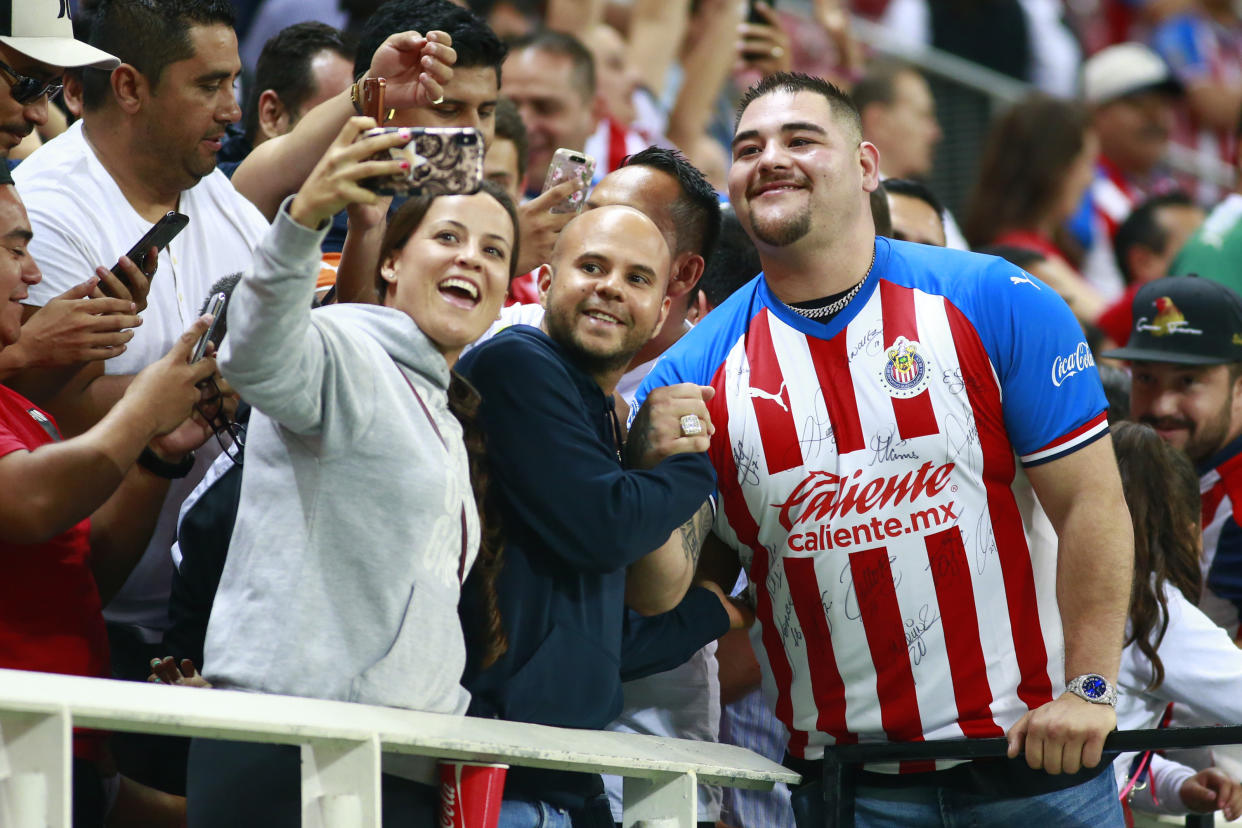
[905, 372]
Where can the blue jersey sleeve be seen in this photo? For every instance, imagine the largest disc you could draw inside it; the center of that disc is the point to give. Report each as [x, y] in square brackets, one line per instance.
[1051, 397]
[698, 355]
[1180, 42]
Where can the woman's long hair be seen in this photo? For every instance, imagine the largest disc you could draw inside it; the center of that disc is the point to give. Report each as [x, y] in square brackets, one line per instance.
[1162, 491]
[1025, 159]
[464, 402]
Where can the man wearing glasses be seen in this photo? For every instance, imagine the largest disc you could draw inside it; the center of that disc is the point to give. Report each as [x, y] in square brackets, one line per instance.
[36, 46]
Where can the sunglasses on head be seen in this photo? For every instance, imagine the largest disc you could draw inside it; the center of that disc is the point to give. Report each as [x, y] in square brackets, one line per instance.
[26, 89]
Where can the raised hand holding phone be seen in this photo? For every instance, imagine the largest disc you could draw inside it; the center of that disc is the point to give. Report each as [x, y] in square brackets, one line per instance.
[415, 66]
[336, 180]
[215, 307]
[762, 45]
[130, 277]
[570, 165]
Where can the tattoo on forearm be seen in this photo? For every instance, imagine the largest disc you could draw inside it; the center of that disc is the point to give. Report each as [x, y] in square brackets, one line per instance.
[638, 443]
[694, 532]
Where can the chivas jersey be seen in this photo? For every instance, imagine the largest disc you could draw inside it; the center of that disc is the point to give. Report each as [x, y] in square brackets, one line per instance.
[1220, 487]
[864, 469]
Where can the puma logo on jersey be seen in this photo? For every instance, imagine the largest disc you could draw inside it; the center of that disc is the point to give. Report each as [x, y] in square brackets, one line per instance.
[778, 397]
[1017, 280]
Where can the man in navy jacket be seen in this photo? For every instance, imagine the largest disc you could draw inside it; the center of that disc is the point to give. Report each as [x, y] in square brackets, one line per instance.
[586, 533]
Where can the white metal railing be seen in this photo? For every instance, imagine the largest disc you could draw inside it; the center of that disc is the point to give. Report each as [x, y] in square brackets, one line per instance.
[341, 747]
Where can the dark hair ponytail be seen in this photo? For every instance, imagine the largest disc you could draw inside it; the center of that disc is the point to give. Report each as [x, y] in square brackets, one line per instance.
[488, 631]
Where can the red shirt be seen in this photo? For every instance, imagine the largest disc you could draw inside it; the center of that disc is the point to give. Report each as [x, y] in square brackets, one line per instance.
[51, 619]
[1118, 318]
[524, 289]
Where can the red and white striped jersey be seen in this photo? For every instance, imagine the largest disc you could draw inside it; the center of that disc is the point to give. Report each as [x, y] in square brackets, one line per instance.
[1220, 489]
[864, 469]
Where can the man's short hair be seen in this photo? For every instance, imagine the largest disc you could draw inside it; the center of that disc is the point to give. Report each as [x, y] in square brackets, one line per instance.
[879, 83]
[582, 64]
[733, 263]
[473, 40]
[148, 35]
[914, 189]
[509, 127]
[841, 105]
[1142, 229]
[284, 67]
[696, 212]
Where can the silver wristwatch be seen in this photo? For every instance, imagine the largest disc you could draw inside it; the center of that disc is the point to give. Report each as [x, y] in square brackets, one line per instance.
[1093, 688]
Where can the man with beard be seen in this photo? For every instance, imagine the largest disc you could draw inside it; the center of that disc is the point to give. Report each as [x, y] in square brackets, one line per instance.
[1185, 351]
[870, 398]
[585, 533]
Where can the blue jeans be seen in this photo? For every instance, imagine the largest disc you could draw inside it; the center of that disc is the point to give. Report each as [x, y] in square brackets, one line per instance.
[1092, 804]
[521, 813]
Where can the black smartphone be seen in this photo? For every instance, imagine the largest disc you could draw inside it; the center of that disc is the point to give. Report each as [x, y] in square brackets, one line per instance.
[753, 15]
[215, 307]
[164, 231]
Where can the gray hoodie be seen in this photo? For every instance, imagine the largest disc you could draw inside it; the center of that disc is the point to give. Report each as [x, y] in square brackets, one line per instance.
[357, 521]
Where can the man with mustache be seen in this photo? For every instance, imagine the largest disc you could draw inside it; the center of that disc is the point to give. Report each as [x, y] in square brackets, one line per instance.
[36, 47]
[1185, 351]
[870, 398]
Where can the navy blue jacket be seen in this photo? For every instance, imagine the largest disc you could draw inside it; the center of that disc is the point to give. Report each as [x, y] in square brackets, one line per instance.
[573, 520]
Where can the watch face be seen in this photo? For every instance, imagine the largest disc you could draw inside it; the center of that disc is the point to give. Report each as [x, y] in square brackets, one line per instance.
[1095, 687]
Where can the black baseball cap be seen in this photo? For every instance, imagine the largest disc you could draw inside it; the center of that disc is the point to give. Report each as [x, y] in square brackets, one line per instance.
[1186, 320]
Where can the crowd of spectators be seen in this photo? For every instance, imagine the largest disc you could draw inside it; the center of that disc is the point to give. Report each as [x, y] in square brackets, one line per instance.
[610, 466]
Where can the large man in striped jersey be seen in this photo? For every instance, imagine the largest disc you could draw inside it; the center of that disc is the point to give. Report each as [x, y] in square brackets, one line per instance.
[871, 396]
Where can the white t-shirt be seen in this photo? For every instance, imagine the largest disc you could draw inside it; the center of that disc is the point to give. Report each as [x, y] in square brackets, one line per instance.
[81, 219]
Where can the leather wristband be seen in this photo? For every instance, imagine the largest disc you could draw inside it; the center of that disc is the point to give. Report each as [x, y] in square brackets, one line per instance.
[150, 461]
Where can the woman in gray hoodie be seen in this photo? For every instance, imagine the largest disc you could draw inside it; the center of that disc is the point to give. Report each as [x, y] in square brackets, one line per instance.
[357, 523]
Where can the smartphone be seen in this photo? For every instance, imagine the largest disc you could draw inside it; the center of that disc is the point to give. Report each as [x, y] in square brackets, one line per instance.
[164, 231]
[215, 307]
[373, 99]
[753, 15]
[443, 161]
[569, 165]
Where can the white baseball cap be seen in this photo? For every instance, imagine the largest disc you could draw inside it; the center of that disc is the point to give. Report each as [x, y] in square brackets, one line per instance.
[1125, 69]
[43, 30]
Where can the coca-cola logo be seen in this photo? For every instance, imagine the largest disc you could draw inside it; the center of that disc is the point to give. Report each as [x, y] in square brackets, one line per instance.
[823, 495]
[1064, 367]
[448, 805]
